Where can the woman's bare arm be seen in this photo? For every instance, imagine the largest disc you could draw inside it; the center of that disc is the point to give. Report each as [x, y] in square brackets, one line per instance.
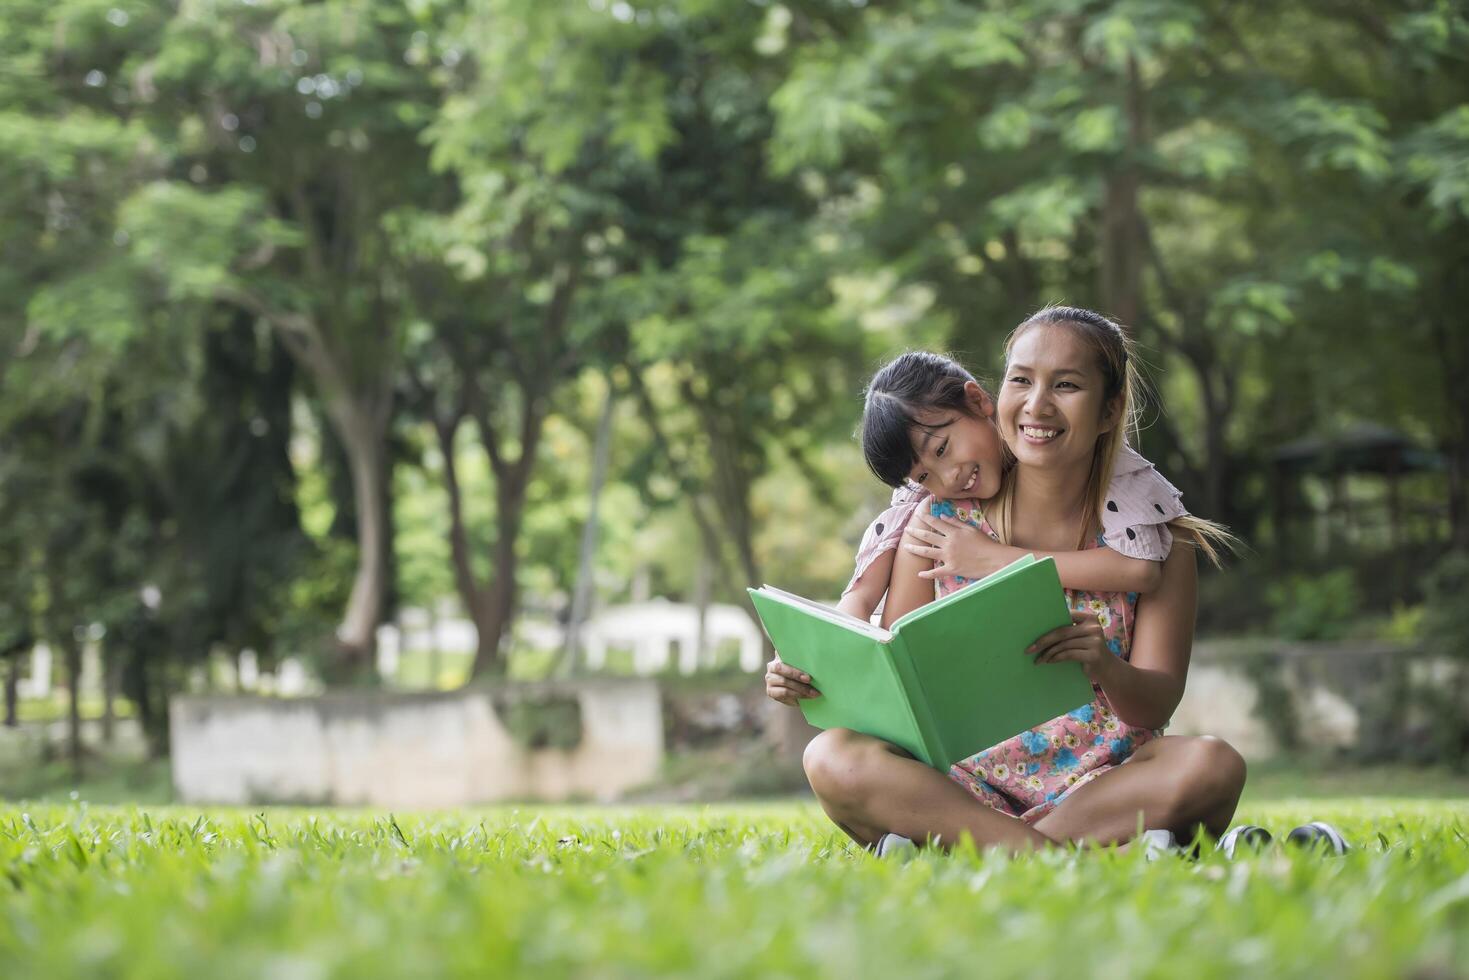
[1145, 690]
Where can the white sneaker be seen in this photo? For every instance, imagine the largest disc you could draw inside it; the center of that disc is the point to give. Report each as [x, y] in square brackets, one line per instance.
[1157, 843]
[1245, 837]
[894, 846]
[1319, 835]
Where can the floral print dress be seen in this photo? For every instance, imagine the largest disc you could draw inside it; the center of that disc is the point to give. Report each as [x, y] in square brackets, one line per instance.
[1028, 775]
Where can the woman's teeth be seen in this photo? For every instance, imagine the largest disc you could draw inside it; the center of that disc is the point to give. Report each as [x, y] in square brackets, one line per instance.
[969, 484]
[1035, 432]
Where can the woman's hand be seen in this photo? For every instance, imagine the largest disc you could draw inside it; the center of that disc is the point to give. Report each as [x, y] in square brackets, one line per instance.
[786, 684]
[956, 547]
[1082, 641]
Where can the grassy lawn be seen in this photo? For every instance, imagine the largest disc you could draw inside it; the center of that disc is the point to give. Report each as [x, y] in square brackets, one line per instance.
[722, 891]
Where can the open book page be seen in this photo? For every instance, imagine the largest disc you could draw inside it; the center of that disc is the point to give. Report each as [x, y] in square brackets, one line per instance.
[850, 662]
[968, 660]
[828, 613]
[989, 580]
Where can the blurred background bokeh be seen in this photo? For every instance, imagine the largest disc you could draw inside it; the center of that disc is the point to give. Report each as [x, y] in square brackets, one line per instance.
[354, 350]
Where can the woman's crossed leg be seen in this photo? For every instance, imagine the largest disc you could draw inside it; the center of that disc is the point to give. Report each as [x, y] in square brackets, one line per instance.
[870, 787]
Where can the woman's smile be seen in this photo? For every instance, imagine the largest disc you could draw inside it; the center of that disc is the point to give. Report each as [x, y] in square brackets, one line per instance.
[1051, 402]
[1039, 435]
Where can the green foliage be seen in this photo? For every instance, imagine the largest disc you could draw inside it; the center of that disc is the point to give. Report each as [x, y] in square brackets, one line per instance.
[1275, 702]
[1319, 607]
[199, 236]
[1444, 634]
[1406, 623]
[174, 892]
[1444, 629]
[487, 211]
[541, 720]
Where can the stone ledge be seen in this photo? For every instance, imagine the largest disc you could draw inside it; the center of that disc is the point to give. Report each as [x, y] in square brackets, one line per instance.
[411, 749]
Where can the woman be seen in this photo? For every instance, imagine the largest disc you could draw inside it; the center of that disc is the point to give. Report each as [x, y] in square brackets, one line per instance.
[1097, 774]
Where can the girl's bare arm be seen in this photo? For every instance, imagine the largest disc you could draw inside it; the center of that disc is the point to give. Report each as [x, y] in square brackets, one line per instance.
[906, 591]
[863, 597]
[1105, 570]
[968, 551]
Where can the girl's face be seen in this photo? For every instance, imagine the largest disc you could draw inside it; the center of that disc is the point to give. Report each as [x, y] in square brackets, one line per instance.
[959, 453]
[1052, 407]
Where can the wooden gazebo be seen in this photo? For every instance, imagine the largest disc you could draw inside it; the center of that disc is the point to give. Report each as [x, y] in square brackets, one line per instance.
[1360, 450]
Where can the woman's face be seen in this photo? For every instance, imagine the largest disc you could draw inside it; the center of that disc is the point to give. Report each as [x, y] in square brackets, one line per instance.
[1051, 405]
[959, 454]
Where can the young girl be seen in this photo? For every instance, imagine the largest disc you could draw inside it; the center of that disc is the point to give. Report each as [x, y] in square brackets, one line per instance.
[932, 508]
[1063, 410]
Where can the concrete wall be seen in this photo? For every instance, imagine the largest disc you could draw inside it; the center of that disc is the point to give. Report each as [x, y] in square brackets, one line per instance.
[1220, 700]
[410, 750]
[1328, 685]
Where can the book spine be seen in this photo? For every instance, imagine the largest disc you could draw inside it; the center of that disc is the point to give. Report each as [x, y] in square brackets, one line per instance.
[917, 701]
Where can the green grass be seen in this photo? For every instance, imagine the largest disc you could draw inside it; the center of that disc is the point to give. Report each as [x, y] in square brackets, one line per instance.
[54, 707]
[141, 782]
[729, 891]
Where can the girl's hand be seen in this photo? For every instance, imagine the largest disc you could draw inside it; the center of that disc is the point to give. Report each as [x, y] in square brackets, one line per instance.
[1082, 642]
[786, 684]
[956, 547]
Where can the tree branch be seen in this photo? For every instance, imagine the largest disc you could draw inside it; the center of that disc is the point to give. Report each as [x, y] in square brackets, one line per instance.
[469, 589]
[707, 529]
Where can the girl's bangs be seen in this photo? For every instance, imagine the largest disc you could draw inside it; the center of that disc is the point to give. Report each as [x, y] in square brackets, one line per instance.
[887, 443]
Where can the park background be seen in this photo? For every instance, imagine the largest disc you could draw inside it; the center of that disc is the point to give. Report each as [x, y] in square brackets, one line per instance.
[326, 324]
[386, 384]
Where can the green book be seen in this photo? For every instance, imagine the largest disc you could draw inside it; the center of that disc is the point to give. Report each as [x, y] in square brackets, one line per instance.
[949, 679]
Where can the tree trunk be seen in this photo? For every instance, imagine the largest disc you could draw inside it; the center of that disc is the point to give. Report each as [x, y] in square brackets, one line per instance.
[433, 646]
[703, 574]
[498, 607]
[109, 694]
[12, 691]
[156, 689]
[73, 652]
[732, 483]
[1216, 453]
[363, 438]
[713, 545]
[1458, 460]
[581, 598]
[1453, 359]
[1121, 263]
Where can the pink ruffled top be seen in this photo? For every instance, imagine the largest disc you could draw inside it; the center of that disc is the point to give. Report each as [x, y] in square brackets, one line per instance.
[1140, 503]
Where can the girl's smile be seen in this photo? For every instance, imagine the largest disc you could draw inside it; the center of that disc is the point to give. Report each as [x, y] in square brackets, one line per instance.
[959, 454]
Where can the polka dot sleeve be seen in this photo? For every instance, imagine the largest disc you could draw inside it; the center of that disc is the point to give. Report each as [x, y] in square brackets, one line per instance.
[1140, 503]
[884, 533]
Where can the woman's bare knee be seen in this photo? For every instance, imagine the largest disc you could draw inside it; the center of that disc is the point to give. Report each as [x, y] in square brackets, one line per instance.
[836, 763]
[1219, 768]
[1208, 777]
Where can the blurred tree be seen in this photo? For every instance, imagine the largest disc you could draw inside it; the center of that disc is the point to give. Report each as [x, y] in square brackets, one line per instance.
[151, 500]
[740, 352]
[1191, 169]
[290, 130]
[542, 123]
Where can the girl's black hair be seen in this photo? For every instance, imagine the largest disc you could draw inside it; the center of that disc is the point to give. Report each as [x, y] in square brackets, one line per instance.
[915, 382]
